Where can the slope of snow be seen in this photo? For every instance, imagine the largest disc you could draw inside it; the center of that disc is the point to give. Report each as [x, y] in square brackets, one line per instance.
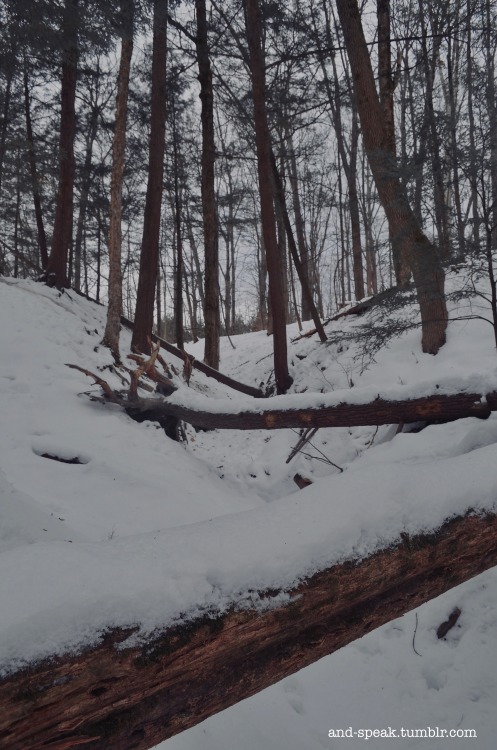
[143, 529]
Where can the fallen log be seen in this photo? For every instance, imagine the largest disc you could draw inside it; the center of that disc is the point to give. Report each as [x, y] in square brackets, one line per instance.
[426, 409]
[197, 364]
[434, 408]
[358, 309]
[114, 697]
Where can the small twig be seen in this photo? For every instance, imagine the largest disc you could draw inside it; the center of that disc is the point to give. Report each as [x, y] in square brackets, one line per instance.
[414, 636]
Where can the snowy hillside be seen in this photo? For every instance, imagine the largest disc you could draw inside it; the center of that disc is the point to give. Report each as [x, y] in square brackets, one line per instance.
[138, 529]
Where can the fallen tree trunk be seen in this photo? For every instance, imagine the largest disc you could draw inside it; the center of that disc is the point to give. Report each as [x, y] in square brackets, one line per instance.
[379, 412]
[197, 364]
[118, 698]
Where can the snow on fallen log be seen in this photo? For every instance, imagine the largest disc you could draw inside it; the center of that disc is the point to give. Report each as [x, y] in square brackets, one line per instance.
[314, 411]
[124, 694]
[346, 408]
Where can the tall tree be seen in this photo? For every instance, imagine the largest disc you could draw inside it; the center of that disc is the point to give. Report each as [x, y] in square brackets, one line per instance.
[56, 273]
[115, 294]
[209, 214]
[35, 182]
[268, 220]
[149, 255]
[409, 240]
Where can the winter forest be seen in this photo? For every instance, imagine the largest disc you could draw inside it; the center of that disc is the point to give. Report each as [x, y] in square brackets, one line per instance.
[248, 287]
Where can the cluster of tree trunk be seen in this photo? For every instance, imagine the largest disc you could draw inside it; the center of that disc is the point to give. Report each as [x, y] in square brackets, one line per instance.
[307, 225]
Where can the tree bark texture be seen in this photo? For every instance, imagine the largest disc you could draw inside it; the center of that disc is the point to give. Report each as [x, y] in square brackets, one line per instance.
[409, 241]
[212, 318]
[115, 293]
[149, 256]
[119, 698]
[62, 231]
[271, 416]
[268, 221]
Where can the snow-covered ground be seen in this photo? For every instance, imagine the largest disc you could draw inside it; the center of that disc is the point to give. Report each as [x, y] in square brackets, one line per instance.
[143, 529]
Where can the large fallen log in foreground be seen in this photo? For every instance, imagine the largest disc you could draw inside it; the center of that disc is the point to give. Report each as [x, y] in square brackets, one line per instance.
[111, 698]
[428, 409]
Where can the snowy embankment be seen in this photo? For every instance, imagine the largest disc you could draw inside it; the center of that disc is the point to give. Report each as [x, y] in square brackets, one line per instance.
[146, 531]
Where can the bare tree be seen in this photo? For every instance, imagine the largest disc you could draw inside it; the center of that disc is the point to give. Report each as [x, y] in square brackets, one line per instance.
[114, 309]
[264, 169]
[409, 241]
[149, 256]
[61, 239]
[209, 213]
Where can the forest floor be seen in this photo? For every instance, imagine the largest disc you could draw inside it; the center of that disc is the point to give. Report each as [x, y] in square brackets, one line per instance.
[143, 530]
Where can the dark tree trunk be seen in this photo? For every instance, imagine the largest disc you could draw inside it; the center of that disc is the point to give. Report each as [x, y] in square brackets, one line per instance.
[35, 183]
[149, 256]
[263, 147]
[348, 156]
[299, 225]
[86, 179]
[5, 117]
[430, 61]
[114, 310]
[62, 231]
[178, 270]
[409, 241]
[304, 280]
[209, 214]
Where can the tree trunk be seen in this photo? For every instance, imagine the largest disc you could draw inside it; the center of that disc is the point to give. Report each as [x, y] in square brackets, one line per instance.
[347, 156]
[299, 224]
[62, 231]
[115, 294]
[271, 415]
[85, 189]
[115, 696]
[149, 256]
[209, 213]
[409, 241]
[279, 193]
[263, 147]
[5, 116]
[178, 270]
[473, 166]
[35, 183]
[440, 206]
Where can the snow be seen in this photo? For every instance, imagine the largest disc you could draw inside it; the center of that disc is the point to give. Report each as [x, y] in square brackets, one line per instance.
[144, 531]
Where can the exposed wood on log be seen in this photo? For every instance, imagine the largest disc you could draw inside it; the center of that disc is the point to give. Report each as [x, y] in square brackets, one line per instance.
[111, 698]
[201, 366]
[429, 409]
[301, 481]
[144, 368]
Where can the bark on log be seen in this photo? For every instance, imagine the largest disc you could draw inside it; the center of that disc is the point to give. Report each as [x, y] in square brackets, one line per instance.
[428, 409]
[110, 698]
[201, 366]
